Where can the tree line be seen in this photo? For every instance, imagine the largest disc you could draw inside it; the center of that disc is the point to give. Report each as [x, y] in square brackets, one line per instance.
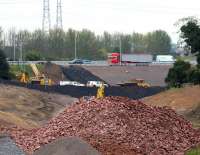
[60, 45]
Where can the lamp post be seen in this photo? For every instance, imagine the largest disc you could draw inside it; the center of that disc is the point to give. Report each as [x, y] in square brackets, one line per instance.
[75, 48]
[120, 46]
[14, 49]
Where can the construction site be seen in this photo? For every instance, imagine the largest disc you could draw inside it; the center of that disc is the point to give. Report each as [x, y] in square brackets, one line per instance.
[54, 111]
[104, 78]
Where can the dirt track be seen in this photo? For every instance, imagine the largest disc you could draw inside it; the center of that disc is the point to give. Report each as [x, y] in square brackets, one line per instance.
[155, 75]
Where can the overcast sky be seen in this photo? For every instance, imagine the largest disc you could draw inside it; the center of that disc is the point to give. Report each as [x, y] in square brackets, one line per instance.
[101, 15]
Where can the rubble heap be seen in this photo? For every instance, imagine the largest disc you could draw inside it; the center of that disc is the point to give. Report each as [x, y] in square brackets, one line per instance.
[116, 125]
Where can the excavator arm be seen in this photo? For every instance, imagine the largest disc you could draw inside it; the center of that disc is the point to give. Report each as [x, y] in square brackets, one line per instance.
[35, 70]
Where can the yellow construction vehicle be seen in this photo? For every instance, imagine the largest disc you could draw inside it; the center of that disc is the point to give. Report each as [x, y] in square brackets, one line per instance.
[24, 77]
[140, 83]
[101, 91]
[135, 82]
[39, 78]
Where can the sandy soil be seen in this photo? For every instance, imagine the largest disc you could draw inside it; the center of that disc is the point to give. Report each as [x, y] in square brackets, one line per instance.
[29, 108]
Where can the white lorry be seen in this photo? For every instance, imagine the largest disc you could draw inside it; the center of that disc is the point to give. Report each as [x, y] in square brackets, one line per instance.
[71, 83]
[165, 59]
[95, 84]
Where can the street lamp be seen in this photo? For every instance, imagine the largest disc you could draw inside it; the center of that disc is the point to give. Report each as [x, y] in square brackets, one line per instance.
[75, 48]
[120, 46]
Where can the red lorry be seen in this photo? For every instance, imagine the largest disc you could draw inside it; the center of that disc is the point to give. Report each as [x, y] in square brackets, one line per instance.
[115, 58]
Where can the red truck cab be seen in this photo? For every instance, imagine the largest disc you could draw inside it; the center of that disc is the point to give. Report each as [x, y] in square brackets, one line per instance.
[114, 58]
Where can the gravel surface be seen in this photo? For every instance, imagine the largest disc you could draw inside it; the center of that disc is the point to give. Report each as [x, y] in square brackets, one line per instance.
[8, 147]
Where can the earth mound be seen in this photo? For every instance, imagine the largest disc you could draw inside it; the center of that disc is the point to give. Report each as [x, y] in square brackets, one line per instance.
[115, 125]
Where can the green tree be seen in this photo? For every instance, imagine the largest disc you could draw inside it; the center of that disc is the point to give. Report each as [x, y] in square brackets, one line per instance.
[103, 53]
[1, 37]
[138, 43]
[39, 43]
[194, 75]
[56, 43]
[33, 56]
[70, 43]
[178, 75]
[4, 67]
[190, 33]
[106, 40]
[158, 42]
[87, 45]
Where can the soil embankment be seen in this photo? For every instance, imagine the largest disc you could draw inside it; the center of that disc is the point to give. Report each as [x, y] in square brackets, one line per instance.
[29, 108]
[185, 101]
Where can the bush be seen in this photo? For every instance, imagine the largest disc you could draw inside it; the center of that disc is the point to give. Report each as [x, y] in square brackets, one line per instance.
[194, 76]
[33, 56]
[4, 67]
[198, 60]
[179, 74]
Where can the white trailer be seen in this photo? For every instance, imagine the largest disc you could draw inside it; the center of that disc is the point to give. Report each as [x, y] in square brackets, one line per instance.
[165, 58]
[71, 83]
[137, 58]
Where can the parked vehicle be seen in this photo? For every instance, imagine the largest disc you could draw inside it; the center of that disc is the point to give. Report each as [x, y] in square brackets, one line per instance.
[115, 58]
[95, 84]
[76, 61]
[165, 58]
[87, 61]
[71, 83]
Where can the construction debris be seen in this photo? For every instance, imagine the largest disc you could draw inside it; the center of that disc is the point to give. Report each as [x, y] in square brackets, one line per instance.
[115, 125]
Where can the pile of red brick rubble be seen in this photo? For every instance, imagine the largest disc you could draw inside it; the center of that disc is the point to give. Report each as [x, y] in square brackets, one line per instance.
[116, 125]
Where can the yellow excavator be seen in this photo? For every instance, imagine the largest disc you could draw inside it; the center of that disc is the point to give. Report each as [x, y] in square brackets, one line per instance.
[135, 82]
[140, 83]
[24, 78]
[39, 78]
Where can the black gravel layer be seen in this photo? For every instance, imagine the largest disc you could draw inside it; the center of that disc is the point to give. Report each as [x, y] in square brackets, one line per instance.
[132, 92]
[79, 74]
